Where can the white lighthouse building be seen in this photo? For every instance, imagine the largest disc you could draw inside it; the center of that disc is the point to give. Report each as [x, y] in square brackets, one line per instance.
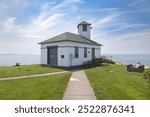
[69, 49]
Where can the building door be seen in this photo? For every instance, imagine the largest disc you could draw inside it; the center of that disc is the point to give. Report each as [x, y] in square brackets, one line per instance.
[52, 56]
[93, 53]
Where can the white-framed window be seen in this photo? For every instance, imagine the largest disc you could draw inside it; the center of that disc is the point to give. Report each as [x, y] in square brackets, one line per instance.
[76, 52]
[85, 52]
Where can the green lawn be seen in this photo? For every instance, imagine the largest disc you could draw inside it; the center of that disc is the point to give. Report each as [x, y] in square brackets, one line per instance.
[113, 82]
[39, 88]
[25, 70]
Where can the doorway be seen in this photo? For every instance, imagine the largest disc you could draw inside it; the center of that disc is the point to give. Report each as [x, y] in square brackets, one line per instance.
[52, 56]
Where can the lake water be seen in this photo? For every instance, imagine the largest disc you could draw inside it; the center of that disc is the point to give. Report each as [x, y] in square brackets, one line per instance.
[10, 60]
[130, 58]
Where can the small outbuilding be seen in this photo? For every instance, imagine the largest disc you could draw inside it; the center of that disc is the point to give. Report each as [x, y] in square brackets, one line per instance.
[69, 49]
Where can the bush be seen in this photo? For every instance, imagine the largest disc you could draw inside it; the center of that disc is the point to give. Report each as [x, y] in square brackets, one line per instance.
[17, 64]
[106, 60]
[147, 76]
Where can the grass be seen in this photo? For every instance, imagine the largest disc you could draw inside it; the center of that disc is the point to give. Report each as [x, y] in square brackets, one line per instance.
[25, 70]
[113, 82]
[39, 88]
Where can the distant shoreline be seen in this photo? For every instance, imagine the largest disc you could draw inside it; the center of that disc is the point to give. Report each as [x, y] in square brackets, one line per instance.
[130, 58]
[12, 59]
[124, 64]
[24, 59]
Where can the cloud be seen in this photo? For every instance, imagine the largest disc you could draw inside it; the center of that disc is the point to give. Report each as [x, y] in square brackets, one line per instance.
[133, 42]
[9, 24]
[113, 27]
[13, 7]
[19, 48]
[40, 26]
[137, 2]
[49, 16]
[73, 1]
[119, 34]
[129, 44]
[104, 21]
[66, 6]
[141, 5]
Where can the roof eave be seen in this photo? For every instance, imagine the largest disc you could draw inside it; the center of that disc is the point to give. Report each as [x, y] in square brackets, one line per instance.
[71, 41]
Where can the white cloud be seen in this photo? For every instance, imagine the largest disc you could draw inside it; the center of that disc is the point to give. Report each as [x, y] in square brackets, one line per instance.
[125, 43]
[66, 6]
[49, 17]
[13, 7]
[15, 35]
[55, 18]
[141, 5]
[73, 1]
[9, 23]
[19, 48]
[100, 23]
[136, 2]
[41, 25]
[119, 35]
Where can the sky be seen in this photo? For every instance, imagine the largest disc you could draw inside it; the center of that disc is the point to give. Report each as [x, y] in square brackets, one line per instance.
[121, 26]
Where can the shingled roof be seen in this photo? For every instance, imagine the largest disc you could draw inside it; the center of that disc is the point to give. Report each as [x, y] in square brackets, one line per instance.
[67, 36]
[83, 23]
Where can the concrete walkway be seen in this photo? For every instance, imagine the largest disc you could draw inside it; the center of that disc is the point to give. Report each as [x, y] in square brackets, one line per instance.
[31, 76]
[79, 87]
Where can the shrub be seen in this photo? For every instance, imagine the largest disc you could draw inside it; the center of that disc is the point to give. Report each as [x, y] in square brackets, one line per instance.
[17, 64]
[147, 76]
[107, 60]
